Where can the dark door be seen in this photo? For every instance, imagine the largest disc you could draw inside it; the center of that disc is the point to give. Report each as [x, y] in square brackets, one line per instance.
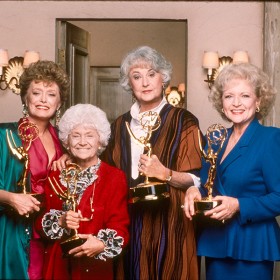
[73, 55]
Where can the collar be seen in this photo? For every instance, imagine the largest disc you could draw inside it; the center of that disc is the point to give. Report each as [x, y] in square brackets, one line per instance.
[135, 109]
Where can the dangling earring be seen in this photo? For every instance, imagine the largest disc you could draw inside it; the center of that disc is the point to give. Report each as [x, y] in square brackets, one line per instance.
[257, 109]
[57, 117]
[133, 98]
[163, 90]
[25, 110]
[99, 150]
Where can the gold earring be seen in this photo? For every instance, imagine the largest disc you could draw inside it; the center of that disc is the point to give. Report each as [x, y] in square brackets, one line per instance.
[257, 109]
[57, 117]
[25, 110]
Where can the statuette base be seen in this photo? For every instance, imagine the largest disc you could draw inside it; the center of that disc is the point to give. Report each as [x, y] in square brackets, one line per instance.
[70, 244]
[148, 192]
[205, 205]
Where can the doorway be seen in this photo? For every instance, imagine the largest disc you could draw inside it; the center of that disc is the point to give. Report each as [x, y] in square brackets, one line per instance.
[110, 40]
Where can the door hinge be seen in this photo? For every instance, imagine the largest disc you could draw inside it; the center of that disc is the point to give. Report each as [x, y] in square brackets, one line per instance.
[61, 58]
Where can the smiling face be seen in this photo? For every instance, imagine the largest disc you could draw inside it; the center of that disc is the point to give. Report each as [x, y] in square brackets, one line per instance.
[42, 100]
[240, 102]
[83, 144]
[146, 85]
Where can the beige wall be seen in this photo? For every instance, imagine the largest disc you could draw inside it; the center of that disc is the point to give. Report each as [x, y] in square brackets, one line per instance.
[111, 40]
[221, 26]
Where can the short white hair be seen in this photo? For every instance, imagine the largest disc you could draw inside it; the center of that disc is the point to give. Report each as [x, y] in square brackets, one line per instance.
[87, 115]
[144, 56]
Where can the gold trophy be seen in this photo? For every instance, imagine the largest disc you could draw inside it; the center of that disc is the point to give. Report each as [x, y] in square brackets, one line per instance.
[69, 196]
[216, 135]
[149, 190]
[27, 132]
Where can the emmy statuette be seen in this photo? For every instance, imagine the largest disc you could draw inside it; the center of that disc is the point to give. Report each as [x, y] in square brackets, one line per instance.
[149, 190]
[216, 135]
[28, 132]
[69, 196]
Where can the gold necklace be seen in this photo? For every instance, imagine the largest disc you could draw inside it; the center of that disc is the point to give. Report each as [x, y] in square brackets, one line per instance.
[91, 205]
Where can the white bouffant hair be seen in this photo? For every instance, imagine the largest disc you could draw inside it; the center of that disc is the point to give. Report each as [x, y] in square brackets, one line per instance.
[89, 116]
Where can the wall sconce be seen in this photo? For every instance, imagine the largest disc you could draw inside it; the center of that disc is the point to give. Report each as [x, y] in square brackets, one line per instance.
[176, 95]
[214, 64]
[12, 69]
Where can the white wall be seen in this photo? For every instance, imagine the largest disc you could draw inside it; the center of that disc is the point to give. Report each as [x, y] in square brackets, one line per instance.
[221, 26]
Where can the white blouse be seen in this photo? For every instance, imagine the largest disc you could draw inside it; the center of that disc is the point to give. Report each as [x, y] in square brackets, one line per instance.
[137, 130]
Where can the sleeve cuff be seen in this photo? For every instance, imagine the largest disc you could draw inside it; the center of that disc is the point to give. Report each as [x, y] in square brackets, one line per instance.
[112, 243]
[50, 224]
[196, 180]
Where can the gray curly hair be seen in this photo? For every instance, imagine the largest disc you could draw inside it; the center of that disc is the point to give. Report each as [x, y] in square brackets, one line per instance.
[89, 116]
[143, 56]
[255, 76]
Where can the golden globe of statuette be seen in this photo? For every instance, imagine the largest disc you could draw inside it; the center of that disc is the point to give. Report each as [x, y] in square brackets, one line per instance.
[149, 190]
[216, 135]
[69, 196]
[27, 132]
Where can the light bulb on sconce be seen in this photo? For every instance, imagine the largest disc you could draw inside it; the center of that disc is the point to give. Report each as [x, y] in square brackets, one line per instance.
[210, 61]
[176, 95]
[182, 89]
[30, 57]
[12, 69]
[4, 60]
[214, 64]
[240, 57]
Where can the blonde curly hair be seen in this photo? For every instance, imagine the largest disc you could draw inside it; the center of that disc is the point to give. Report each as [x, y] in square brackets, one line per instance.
[255, 76]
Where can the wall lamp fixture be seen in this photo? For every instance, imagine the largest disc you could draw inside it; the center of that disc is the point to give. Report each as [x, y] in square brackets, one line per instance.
[214, 64]
[176, 95]
[12, 69]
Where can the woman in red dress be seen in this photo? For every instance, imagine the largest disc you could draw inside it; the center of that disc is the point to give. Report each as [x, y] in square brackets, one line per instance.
[100, 193]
